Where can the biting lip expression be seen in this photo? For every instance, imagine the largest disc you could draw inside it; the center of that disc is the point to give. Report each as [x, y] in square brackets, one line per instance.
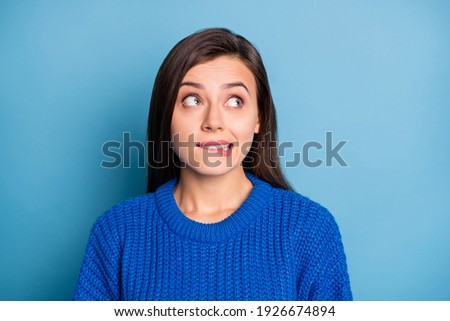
[216, 147]
[215, 115]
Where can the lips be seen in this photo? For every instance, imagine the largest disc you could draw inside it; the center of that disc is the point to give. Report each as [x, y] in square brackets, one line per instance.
[216, 147]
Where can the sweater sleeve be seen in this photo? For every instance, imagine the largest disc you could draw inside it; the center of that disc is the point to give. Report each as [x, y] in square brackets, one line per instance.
[100, 271]
[324, 275]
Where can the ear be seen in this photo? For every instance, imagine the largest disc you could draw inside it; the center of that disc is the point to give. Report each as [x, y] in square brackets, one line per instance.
[257, 125]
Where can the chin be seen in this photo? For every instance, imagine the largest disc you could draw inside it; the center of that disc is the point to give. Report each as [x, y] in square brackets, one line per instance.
[212, 171]
[216, 167]
[212, 166]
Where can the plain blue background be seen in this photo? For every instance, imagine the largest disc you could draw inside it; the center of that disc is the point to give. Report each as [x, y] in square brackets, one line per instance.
[75, 74]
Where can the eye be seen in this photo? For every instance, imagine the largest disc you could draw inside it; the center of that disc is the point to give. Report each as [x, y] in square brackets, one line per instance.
[191, 101]
[234, 102]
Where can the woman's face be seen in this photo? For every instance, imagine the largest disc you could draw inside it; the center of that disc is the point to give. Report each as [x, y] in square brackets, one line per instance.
[215, 116]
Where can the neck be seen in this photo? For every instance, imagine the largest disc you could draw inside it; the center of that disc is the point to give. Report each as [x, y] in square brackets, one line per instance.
[211, 199]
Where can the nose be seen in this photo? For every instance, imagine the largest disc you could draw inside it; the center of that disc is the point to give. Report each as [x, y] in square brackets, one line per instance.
[213, 119]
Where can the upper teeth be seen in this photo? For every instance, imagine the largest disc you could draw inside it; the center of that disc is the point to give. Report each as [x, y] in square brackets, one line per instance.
[224, 147]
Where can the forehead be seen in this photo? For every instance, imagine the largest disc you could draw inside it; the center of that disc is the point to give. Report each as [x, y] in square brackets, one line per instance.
[223, 69]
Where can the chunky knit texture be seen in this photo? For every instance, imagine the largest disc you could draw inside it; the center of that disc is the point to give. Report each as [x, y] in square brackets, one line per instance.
[278, 245]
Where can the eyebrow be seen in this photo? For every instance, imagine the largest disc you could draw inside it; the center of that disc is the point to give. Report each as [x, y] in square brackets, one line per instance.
[225, 86]
[192, 84]
[236, 84]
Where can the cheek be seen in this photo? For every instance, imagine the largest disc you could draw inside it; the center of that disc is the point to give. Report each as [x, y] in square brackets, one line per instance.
[183, 122]
[244, 132]
[245, 127]
[177, 125]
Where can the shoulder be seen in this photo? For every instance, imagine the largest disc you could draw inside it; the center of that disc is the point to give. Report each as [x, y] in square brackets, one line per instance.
[298, 204]
[125, 214]
[303, 216]
[296, 212]
[133, 206]
[291, 205]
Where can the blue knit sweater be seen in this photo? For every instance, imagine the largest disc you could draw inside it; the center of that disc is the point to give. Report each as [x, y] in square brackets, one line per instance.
[278, 245]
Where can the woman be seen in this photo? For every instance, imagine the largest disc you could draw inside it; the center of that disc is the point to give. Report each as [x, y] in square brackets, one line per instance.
[219, 221]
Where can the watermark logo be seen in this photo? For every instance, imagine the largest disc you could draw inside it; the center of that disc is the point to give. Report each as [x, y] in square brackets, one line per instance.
[119, 153]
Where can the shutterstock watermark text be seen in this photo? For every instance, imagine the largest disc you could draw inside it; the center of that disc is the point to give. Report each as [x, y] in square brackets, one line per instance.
[311, 154]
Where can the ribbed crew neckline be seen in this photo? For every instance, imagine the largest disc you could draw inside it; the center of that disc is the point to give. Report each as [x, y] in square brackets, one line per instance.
[183, 226]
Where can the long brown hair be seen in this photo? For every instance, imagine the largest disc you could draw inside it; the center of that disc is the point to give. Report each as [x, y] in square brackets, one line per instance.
[206, 45]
